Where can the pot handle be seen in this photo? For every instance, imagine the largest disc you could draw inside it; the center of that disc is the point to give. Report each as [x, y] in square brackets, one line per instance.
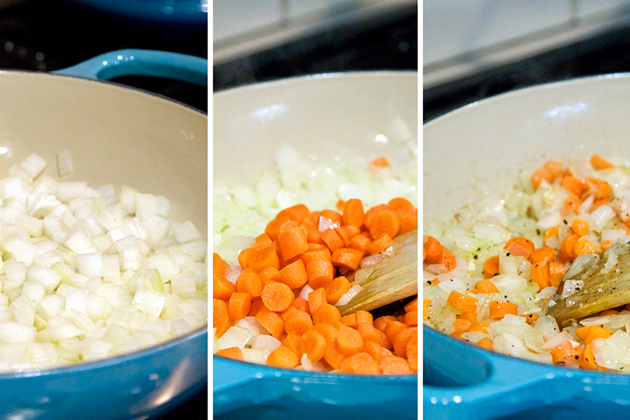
[136, 62]
[463, 381]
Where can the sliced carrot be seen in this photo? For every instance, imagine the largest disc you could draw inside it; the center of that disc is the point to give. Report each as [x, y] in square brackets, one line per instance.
[294, 274]
[249, 282]
[335, 290]
[292, 341]
[540, 275]
[402, 339]
[461, 325]
[269, 275]
[486, 343]
[353, 213]
[359, 364]
[364, 317]
[218, 265]
[292, 242]
[329, 332]
[491, 267]
[554, 168]
[232, 353]
[556, 273]
[333, 356]
[600, 188]
[277, 296]
[597, 332]
[571, 205]
[480, 326]
[220, 317]
[349, 341]
[550, 233]
[531, 318]
[238, 305]
[273, 228]
[296, 212]
[263, 239]
[433, 250]
[222, 288]
[262, 256]
[394, 365]
[333, 216]
[580, 226]
[255, 306]
[381, 162]
[283, 357]
[379, 245]
[243, 258]
[332, 239]
[349, 320]
[368, 332]
[301, 305]
[567, 248]
[411, 306]
[539, 176]
[587, 359]
[408, 221]
[385, 221]
[375, 350]
[319, 273]
[360, 242]
[313, 344]
[298, 322]
[315, 299]
[349, 258]
[600, 163]
[500, 308]
[520, 246]
[400, 204]
[584, 246]
[412, 353]
[381, 322]
[461, 301]
[393, 328]
[315, 255]
[272, 321]
[485, 286]
[284, 314]
[327, 314]
[541, 254]
[573, 185]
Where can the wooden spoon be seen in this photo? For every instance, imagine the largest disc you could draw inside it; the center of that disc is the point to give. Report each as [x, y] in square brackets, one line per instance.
[392, 278]
[604, 284]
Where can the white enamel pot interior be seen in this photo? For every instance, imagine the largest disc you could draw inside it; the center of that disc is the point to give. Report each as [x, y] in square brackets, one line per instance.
[480, 148]
[115, 135]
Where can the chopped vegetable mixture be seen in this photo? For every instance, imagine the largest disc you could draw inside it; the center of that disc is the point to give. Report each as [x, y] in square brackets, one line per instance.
[275, 304]
[490, 278]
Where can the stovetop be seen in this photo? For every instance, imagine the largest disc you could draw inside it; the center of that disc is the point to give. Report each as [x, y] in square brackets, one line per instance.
[603, 53]
[388, 41]
[54, 34]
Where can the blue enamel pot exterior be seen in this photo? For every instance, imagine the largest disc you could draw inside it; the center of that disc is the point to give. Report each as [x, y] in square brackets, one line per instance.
[117, 135]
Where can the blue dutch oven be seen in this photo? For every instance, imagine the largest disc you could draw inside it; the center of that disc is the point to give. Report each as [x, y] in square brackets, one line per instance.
[116, 136]
[371, 114]
[475, 152]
